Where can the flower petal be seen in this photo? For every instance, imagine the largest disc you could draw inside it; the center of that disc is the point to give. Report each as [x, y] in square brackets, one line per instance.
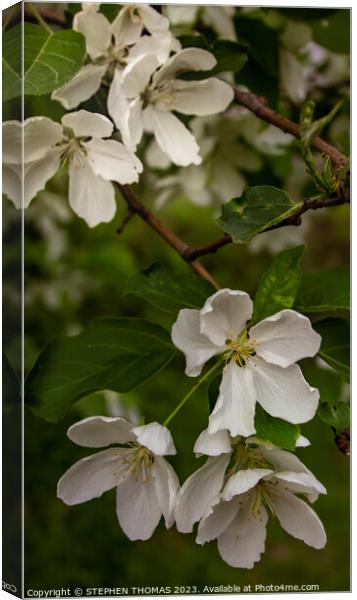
[217, 518]
[189, 59]
[301, 483]
[92, 476]
[40, 135]
[37, 174]
[156, 438]
[82, 87]
[212, 444]
[167, 486]
[113, 161]
[243, 481]
[173, 137]
[136, 75]
[127, 26]
[225, 314]
[205, 97]
[87, 124]
[12, 142]
[235, 406]
[283, 393]
[243, 541]
[298, 519]
[152, 19]
[138, 509]
[127, 115]
[97, 432]
[90, 196]
[198, 492]
[11, 183]
[186, 336]
[159, 45]
[97, 31]
[283, 460]
[302, 442]
[285, 338]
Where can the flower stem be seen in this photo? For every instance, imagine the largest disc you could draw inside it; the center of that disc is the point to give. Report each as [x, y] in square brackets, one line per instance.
[38, 17]
[192, 391]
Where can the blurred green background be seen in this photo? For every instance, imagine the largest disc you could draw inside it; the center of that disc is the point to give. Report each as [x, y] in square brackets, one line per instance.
[74, 274]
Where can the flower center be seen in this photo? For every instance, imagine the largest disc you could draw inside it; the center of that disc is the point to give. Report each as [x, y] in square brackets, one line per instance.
[241, 349]
[140, 463]
[74, 151]
[161, 96]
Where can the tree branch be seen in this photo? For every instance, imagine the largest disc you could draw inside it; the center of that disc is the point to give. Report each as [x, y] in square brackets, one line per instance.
[169, 236]
[256, 105]
[308, 204]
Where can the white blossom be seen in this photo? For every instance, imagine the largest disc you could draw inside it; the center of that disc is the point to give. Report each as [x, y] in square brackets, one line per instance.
[111, 46]
[259, 362]
[93, 162]
[231, 494]
[218, 17]
[146, 483]
[152, 93]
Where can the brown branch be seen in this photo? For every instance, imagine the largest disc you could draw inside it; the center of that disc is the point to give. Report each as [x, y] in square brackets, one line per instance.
[169, 236]
[256, 105]
[308, 204]
[128, 217]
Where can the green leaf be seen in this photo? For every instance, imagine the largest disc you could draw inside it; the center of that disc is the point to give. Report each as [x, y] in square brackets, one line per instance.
[11, 388]
[168, 291]
[50, 59]
[230, 56]
[337, 416]
[279, 284]
[335, 345]
[324, 290]
[259, 208]
[263, 43]
[111, 353]
[274, 430]
[333, 31]
[309, 128]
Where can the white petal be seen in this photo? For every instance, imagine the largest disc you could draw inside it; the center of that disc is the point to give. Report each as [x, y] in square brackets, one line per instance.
[198, 492]
[159, 45]
[173, 137]
[11, 183]
[83, 86]
[293, 74]
[217, 518]
[113, 161]
[212, 444]
[298, 519]
[90, 196]
[225, 314]
[92, 476]
[285, 338]
[302, 442]
[127, 26]
[244, 540]
[155, 158]
[283, 393]
[227, 182]
[12, 142]
[283, 460]
[186, 336]
[138, 509]
[136, 75]
[206, 97]
[243, 481]
[127, 115]
[96, 432]
[97, 31]
[39, 172]
[167, 486]
[156, 438]
[152, 19]
[40, 135]
[301, 483]
[87, 124]
[235, 406]
[221, 21]
[189, 59]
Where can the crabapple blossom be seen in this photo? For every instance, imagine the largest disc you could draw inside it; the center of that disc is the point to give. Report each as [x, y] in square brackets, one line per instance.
[259, 362]
[232, 493]
[111, 46]
[93, 162]
[145, 482]
[153, 92]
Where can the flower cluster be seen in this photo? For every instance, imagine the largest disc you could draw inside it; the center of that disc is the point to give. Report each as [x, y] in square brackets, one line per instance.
[142, 63]
[244, 478]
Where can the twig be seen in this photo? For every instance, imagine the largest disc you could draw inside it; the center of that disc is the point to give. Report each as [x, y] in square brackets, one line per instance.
[308, 204]
[169, 236]
[129, 215]
[256, 105]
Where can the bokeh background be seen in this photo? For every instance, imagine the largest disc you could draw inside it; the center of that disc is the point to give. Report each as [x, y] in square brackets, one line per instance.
[74, 274]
